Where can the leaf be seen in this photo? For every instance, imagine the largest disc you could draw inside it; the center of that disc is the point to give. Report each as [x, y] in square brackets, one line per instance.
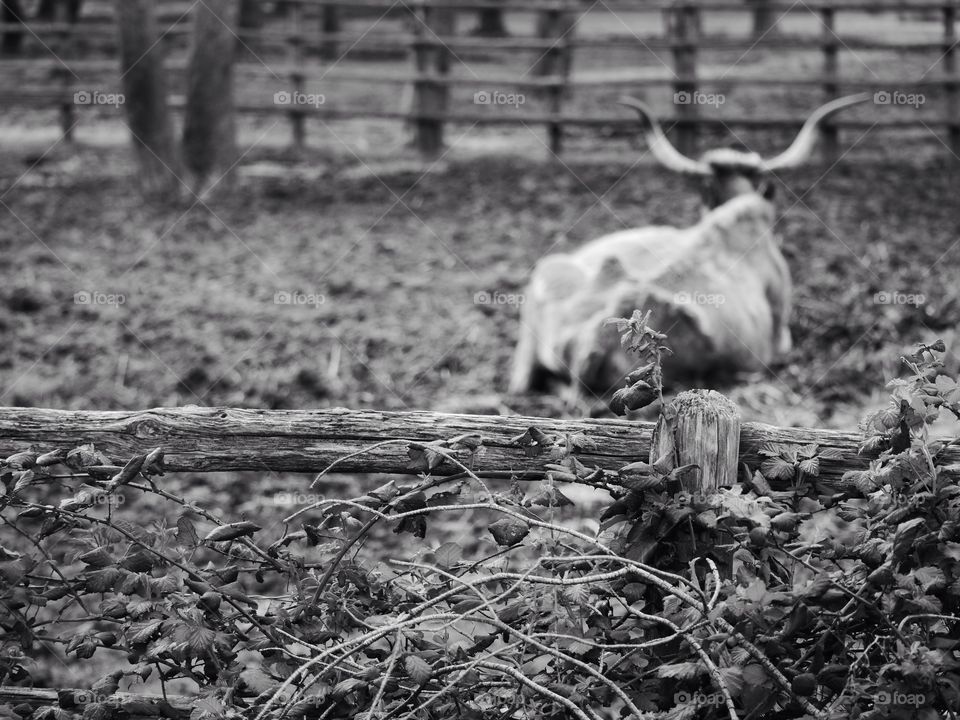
[681, 671]
[755, 676]
[187, 532]
[100, 580]
[448, 554]
[98, 557]
[225, 533]
[508, 532]
[776, 468]
[905, 537]
[142, 632]
[418, 669]
[345, 687]
[811, 466]
[200, 639]
[8, 555]
[129, 471]
[549, 496]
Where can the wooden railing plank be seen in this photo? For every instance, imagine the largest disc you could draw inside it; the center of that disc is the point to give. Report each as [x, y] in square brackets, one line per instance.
[202, 439]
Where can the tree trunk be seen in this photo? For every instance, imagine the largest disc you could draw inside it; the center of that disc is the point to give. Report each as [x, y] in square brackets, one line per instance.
[145, 90]
[11, 12]
[490, 23]
[209, 125]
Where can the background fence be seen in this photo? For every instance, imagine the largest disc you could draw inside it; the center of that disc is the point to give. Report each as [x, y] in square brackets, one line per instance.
[558, 64]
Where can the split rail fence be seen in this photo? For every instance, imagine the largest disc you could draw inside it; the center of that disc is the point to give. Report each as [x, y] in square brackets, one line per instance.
[319, 49]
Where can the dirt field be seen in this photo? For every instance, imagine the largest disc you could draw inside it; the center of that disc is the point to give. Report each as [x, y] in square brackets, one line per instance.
[389, 267]
[113, 303]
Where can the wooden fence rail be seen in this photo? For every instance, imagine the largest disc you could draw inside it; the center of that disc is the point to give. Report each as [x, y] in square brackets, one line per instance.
[202, 439]
[431, 42]
[121, 705]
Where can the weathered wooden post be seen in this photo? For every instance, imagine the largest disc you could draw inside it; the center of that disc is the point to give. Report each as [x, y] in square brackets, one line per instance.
[429, 94]
[295, 42]
[329, 29]
[705, 432]
[683, 29]
[953, 81]
[555, 64]
[831, 86]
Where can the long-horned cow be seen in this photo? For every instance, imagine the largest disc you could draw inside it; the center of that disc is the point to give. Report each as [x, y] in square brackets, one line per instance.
[721, 289]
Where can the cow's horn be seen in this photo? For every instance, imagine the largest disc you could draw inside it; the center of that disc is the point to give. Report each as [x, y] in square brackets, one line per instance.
[662, 150]
[802, 146]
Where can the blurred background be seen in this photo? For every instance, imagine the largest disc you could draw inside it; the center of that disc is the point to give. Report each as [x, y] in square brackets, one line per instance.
[308, 203]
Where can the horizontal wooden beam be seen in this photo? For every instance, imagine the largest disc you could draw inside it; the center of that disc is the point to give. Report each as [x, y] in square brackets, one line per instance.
[199, 439]
[121, 704]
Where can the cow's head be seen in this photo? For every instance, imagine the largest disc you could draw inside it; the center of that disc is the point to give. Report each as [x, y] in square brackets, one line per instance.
[727, 172]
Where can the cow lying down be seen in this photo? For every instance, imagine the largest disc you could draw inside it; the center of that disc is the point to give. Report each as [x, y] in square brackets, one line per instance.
[720, 290]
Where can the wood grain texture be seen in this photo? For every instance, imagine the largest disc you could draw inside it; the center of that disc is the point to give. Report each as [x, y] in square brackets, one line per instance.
[124, 705]
[215, 439]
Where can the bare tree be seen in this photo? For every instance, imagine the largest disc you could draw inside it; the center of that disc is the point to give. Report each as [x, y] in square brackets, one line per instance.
[209, 126]
[145, 90]
[11, 13]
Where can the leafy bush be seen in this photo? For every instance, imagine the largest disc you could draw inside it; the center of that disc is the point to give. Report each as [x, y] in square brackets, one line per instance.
[783, 597]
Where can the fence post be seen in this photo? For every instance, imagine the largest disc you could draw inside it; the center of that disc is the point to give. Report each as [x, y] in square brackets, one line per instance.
[831, 86]
[555, 64]
[706, 433]
[429, 95]
[297, 77]
[329, 25]
[61, 16]
[684, 22]
[950, 69]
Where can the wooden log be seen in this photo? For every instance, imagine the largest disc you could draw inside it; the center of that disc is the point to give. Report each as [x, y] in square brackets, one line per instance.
[121, 704]
[203, 439]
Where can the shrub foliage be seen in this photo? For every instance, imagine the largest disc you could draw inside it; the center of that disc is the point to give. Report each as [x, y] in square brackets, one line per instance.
[782, 597]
